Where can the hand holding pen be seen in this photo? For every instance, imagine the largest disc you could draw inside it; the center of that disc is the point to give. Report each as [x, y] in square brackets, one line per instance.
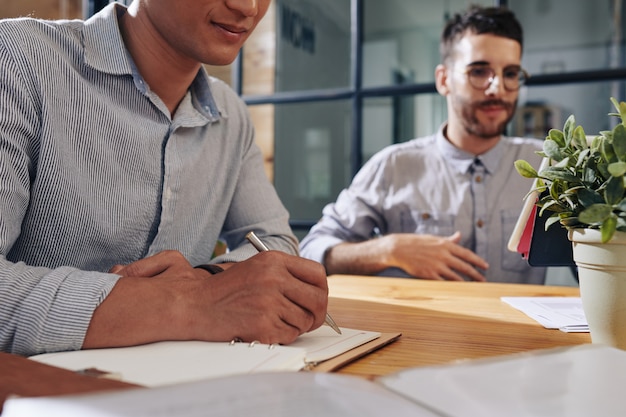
[261, 247]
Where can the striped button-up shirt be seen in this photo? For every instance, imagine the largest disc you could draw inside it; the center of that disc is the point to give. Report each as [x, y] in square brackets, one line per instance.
[95, 172]
[429, 186]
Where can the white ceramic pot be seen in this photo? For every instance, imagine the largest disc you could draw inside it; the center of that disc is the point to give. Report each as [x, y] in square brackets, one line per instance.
[602, 277]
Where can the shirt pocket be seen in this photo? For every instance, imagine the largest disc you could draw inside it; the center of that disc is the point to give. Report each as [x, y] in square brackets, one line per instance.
[511, 261]
[425, 222]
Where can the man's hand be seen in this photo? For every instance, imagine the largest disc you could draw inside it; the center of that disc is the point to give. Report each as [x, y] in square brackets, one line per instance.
[435, 257]
[272, 297]
[422, 256]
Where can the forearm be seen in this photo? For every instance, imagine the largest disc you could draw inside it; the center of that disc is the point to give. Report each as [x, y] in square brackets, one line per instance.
[363, 258]
[143, 310]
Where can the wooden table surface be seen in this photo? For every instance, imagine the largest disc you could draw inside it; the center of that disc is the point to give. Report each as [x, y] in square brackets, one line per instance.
[440, 322]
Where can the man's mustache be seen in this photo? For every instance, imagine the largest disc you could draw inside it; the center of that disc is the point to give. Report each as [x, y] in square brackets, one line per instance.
[492, 102]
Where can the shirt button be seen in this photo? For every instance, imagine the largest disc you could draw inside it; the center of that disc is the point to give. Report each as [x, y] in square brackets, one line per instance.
[479, 224]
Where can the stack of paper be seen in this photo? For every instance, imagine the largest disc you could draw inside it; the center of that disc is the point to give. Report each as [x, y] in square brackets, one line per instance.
[563, 313]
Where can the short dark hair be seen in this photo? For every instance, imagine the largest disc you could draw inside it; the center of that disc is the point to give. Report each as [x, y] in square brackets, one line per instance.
[498, 21]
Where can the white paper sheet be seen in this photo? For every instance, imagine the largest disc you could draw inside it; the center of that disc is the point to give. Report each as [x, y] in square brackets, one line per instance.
[563, 313]
[583, 381]
[301, 394]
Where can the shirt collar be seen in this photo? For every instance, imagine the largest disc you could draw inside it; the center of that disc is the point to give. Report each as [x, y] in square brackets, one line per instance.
[103, 44]
[461, 161]
[105, 51]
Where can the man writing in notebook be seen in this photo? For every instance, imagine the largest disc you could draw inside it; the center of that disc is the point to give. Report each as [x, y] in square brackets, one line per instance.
[122, 163]
[444, 206]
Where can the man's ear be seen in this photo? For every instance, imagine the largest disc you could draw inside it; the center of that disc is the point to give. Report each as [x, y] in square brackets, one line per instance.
[441, 79]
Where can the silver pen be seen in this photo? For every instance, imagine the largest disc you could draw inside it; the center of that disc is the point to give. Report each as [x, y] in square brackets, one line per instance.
[261, 247]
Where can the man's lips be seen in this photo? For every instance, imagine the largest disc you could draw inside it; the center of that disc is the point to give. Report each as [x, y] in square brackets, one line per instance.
[493, 108]
[232, 28]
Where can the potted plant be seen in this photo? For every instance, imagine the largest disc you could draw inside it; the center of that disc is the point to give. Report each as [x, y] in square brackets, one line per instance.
[583, 189]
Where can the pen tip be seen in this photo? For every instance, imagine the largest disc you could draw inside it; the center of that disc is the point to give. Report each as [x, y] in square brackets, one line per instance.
[332, 324]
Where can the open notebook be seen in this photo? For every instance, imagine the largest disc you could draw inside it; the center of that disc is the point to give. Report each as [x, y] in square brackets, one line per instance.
[165, 363]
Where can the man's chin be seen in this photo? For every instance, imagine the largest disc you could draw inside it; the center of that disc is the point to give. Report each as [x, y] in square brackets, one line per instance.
[487, 132]
[492, 129]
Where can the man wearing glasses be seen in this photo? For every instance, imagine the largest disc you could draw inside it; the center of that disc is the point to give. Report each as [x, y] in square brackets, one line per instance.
[443, 207]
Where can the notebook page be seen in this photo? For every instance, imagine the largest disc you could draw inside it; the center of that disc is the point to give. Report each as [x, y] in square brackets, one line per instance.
[165, 363]
[324, 343]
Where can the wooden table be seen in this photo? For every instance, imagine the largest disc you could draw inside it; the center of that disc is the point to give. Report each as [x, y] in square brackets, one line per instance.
[440, 322]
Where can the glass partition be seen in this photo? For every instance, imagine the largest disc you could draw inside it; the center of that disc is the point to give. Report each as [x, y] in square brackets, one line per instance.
[308, 47]
[312, 155]
[549, 106]
[388, 120]
[571, 35]
[401, 39]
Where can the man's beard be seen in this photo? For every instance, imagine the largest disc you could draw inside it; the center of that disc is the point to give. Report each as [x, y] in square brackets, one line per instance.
[474, 127]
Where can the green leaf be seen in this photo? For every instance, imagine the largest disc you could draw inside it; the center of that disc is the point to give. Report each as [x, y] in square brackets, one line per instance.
[582, 157]
[557, 136]
[525, 169]
[614, 191]
[552, 150]
[608, 228]
[602, 169]
[607, 151]
[552, 220]
[589, 175]
[568, 129]
[551, 205]
[621, 109]
[588, 197]
[595, 214]
[579, 139]
[570, 221]
[619, 142]
[617, 169]
[597, 141]
[563, 163]
[557, 173]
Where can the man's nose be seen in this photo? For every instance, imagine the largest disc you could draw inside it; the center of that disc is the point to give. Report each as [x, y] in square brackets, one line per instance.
[494, 85]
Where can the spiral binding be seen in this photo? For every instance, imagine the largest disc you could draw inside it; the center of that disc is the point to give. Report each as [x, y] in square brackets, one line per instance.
[251, 344]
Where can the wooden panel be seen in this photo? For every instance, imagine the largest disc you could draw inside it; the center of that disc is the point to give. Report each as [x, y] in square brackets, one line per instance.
[263, 120]
[258, 78]
[260, 56]
[43, 9]
[259, 60]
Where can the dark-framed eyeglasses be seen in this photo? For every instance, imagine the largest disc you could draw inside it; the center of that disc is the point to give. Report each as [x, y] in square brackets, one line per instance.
[481, 77]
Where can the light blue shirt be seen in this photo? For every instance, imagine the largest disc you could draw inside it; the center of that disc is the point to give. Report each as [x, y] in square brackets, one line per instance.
[428, 186]
[94, 172]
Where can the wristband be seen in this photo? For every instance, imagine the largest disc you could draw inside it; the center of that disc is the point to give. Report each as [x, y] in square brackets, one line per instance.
[211, 268]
